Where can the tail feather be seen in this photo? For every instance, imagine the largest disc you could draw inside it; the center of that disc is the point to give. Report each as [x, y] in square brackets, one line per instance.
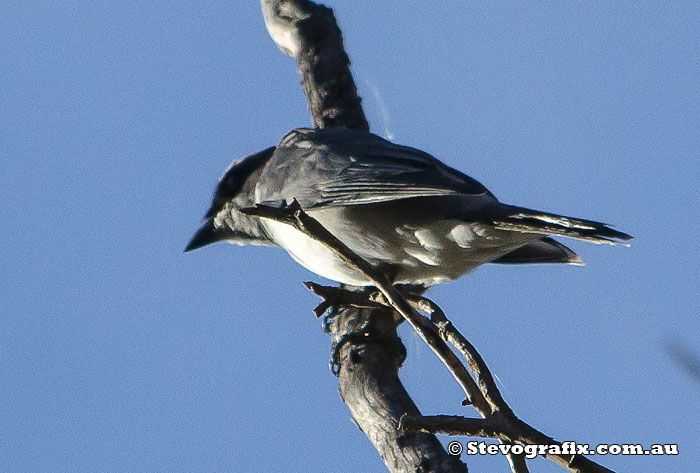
[523, 220]
[545, 250]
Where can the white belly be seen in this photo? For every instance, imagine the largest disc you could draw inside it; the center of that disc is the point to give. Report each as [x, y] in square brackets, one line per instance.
[313, 255]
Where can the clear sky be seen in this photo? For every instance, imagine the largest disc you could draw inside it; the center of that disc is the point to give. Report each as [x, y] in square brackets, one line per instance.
[120, 353]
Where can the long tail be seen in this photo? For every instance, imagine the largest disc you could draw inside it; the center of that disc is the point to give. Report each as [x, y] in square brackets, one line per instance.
[519, 219]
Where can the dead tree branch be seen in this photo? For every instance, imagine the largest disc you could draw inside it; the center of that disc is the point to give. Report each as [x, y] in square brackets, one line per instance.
[498, 421]
[511, 430]
[309, 33]
[295, 216]
[370, 352]
[368, 373]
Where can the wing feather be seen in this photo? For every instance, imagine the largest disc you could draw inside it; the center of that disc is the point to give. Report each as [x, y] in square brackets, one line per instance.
[346, 167]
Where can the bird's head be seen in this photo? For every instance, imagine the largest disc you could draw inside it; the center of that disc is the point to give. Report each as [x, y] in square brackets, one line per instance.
[236, 190]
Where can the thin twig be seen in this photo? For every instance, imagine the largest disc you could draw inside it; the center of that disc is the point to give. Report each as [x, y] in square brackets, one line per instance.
[309, 32]
[293, 215]
[511, 430]
[482, 373]
[451, 335]
[498, 421]
[368, 384]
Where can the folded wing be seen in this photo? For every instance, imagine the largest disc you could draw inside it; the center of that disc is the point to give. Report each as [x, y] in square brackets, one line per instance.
[346, 167]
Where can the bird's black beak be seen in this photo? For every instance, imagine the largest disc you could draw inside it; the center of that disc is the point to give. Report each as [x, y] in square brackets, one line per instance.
[206, 234]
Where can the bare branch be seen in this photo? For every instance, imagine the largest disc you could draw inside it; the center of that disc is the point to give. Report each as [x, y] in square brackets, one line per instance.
[451, 425]
[369, 377]
[309, 33]
[295, 216]
[451, 335]
[368, 380]
[370, 387]
[510, 430]
[487, 384]
[498, 418]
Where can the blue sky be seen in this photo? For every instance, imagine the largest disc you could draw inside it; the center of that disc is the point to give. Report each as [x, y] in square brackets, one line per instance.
[120, 353]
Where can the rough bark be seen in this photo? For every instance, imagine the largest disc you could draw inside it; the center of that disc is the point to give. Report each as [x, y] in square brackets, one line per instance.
[369, 350]
[309, 33]
[370, 386]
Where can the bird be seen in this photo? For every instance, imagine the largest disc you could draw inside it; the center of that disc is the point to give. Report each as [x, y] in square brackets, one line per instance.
[404, 211]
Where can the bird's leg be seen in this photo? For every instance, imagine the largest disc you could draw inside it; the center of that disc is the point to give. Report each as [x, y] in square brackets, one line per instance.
[342, 297]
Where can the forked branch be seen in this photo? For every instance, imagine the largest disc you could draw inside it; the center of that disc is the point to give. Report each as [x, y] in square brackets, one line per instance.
[498, 420]
[368, 381]
[370, 387]
[295, 216]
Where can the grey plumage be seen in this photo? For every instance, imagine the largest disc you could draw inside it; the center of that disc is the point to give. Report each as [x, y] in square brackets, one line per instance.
[398, 207]
[338, 167]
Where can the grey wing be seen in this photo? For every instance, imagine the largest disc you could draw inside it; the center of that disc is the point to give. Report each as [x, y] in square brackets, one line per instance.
[364, 169]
